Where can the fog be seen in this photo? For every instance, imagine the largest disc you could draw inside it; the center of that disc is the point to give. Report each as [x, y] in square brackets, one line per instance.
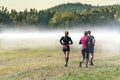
[11, 40]
[107, 40]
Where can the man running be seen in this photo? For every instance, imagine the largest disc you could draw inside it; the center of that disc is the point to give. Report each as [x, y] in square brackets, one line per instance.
[85, 53]
[66, 41]
[91, 47]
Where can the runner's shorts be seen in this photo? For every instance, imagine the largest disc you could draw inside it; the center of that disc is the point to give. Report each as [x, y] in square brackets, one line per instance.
[91, 49]
[66, 48]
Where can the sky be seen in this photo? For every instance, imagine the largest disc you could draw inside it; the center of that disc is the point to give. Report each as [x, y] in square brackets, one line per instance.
[20, 5]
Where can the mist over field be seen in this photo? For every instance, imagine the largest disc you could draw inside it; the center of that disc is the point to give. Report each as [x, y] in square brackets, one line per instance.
[37, 54]
[107, 39]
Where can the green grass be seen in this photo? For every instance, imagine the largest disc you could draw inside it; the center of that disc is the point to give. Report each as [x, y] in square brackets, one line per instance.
[105, 69]
[103, 73]
[48, 64]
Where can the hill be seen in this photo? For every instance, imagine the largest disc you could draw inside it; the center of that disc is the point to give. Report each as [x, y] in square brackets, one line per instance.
[70, 14]
[72, 7]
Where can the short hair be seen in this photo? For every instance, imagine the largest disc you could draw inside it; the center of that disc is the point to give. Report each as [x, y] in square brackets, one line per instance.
[89, 32]
[85, 33]
[66, 32]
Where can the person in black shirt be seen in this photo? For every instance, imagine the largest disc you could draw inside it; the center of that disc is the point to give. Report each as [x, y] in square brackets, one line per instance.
[66, 41]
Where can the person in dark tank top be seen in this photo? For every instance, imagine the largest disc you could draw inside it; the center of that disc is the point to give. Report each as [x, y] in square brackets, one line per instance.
[91, 47]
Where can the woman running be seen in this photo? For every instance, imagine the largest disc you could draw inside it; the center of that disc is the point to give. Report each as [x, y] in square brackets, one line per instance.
[85, 53]
[66, 41]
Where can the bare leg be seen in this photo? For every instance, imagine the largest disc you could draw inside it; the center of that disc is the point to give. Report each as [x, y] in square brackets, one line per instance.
[91, 61]
[92, 56]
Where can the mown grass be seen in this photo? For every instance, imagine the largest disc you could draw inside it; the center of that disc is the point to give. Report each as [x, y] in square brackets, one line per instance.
[103, 73]
[48, 64]
[105, 69]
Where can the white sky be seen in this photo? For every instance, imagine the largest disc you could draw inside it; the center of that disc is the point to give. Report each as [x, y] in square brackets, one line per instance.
[44, 4]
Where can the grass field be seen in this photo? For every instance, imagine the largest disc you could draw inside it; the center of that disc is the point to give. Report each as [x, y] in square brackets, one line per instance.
[48, 64]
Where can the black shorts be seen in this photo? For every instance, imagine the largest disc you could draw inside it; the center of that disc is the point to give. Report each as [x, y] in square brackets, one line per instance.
[85, 53]
[66, 48]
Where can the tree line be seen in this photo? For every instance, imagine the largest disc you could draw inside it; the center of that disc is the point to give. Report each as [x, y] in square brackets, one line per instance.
[87, 15]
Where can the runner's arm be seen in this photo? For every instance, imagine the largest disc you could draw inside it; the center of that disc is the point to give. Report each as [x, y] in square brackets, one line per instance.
[71, 42]
[61, 41]
[80, 42]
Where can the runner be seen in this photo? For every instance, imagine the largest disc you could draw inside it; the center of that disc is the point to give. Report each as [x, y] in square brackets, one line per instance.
[66, 41]
[85, 53]
[91, 47]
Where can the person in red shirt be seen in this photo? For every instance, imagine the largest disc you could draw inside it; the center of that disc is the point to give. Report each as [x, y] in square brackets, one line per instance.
[66, 41]
[85, 53]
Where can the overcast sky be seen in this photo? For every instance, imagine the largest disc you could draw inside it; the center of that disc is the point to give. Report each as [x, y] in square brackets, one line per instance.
[44, 4]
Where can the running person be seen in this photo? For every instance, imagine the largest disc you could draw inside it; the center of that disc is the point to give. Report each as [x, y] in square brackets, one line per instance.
[66, 41]
[85, 53]
[91, 47]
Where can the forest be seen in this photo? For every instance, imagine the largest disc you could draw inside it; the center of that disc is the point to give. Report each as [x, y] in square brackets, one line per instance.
[70, 14]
